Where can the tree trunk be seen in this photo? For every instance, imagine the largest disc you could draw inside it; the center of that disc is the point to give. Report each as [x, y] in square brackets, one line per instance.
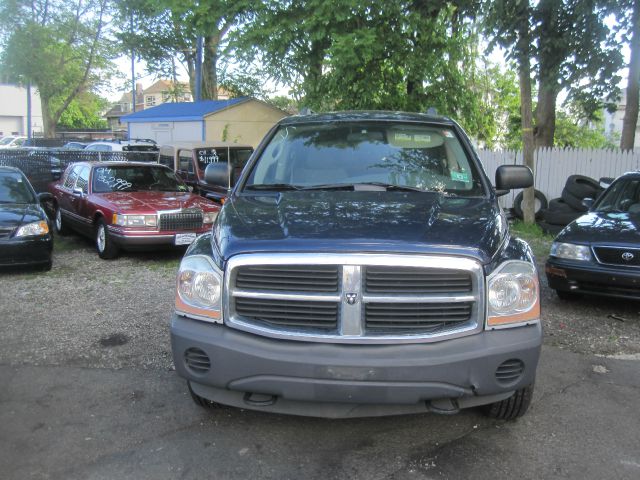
[48, 123]
[524, 74]
[627, 139]
[546, 115]
[209, 68]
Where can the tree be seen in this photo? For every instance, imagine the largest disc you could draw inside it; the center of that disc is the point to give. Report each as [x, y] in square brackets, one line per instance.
[401, 55]
[85, 111]
[509, 23]
[575, 51]
[629, 17]
[167, 29]
[59, 46]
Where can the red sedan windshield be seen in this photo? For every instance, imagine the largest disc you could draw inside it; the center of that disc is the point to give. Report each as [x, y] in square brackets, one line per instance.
[128, 178]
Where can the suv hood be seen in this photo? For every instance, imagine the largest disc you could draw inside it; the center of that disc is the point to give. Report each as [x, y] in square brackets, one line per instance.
[339, 221]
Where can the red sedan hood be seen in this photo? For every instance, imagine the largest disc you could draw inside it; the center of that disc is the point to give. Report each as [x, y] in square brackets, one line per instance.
[143, 202]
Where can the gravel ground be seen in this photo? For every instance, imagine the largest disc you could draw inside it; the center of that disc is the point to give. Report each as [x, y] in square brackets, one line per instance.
[115, 314]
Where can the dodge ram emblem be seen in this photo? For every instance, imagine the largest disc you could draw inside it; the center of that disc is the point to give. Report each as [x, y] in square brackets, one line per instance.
[627, 256]
[351, 298]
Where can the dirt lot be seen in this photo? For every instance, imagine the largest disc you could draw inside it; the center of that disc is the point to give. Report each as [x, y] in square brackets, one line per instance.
[88, 393]
[95, 313]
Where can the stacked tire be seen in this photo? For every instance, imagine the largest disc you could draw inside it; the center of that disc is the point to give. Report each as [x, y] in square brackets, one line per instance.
[564, 210]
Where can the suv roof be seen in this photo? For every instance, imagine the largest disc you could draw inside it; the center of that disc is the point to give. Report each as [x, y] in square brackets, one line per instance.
[366, 115]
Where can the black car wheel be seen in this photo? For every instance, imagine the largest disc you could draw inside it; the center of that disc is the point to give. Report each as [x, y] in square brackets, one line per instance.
[573, 201]
[58, 223]
[582, 187]
[104, 244]
[513, 407]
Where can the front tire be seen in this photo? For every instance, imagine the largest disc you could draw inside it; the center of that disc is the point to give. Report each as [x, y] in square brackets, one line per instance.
[58, 225]
[513, 407]
[104, 244]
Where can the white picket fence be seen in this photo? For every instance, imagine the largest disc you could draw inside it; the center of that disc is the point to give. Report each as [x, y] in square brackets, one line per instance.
[554, 165]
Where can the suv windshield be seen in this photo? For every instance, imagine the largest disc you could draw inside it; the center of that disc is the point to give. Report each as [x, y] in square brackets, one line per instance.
[136, 178]
[349, 154]
[14, 189]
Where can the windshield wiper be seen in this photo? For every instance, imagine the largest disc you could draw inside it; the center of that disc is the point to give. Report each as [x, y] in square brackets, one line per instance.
[273, 186]
[364, 185]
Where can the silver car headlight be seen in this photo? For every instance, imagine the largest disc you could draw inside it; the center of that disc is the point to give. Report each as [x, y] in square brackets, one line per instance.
[33, 229]
[199, 289]
[135, 220]
[209, 217]
[570, 251]
[513, 294]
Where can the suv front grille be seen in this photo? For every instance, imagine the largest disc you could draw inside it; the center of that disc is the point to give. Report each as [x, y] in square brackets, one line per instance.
[415, 280]
[184, 220]
[302, 278]
[355, 298]
[6, 232]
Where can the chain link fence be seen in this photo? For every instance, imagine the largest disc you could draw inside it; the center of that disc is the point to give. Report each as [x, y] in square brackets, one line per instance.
[43, 166]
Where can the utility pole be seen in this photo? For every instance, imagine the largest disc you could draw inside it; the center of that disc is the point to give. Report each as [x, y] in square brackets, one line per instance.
[133, 70]
[199, 46]
[29, 128]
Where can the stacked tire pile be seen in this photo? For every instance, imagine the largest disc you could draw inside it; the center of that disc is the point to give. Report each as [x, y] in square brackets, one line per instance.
[562, 211]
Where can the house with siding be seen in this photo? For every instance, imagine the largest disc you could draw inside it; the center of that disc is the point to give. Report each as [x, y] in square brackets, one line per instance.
[240, 120]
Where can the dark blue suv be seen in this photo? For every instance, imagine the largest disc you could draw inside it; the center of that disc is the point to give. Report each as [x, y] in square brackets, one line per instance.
[361, 266]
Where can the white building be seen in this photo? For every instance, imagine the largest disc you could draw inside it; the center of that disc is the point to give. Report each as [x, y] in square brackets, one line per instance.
[613, 122]
[13, 110]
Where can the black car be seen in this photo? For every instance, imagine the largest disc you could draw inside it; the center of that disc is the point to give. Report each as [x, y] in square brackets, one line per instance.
[25, 233]
[599, 253]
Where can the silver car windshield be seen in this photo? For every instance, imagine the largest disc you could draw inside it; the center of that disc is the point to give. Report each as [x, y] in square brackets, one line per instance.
[342, 154]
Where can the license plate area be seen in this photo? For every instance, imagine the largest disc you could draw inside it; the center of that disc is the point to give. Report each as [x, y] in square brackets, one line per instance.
[185, 238]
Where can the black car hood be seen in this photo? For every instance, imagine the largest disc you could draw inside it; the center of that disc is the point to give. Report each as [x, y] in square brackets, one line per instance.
[15, 214]
[339, 221]
[603, 228]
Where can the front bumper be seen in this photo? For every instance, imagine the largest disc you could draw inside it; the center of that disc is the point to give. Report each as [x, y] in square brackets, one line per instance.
[593, 279]
[134, 240]
[26, 251]
[338, 380]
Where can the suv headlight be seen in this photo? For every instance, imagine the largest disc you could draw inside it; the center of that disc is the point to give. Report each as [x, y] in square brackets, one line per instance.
[33, 229]
[513, 294]
[199, 289]
[570, 251]
[135, 220]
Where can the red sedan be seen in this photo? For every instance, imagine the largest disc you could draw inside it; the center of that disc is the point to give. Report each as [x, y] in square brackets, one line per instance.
[129, 205]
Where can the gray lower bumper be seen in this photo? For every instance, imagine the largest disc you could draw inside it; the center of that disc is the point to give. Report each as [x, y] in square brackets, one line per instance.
[321, 379]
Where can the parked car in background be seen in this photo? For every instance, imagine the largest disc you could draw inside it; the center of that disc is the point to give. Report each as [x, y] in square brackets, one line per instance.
[12, 141]
[134, 145]
[129, 205]
[74, 146]
[190, 159]
[25, 234]
[599, 252]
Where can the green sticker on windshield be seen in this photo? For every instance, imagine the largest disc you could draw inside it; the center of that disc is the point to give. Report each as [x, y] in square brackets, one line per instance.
[459, 176]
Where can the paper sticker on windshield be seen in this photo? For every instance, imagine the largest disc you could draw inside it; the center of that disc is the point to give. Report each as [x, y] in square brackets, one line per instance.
[459, 176]
[447, 133]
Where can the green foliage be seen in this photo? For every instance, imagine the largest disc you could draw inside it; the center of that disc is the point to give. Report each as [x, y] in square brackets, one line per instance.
[58, 46]
[574, 131]
[85, 111]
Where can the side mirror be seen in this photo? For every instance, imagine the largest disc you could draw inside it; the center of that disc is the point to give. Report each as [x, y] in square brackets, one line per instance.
[588, 202]
[77, 192]
[509, 177]
[217, 174]
[44, 197]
